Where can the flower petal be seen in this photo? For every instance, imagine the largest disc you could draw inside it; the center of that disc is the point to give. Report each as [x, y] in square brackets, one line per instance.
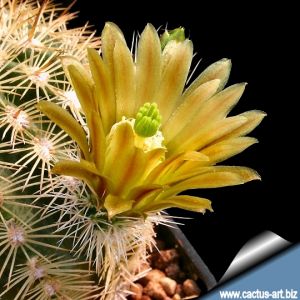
[227, 148]
[81, 81]
[218, 176]
[110, 34]
[83, 170]
[216, 108]
[143, 196]
[84, 89]
[207, 135]
[254, 117]
[188, 108]
[177, 57]
[218, 70]
[98, 141]
[124, 163]
[104, 90]
[116, 205]
[124, 81]
[183, 201]
[164, 172]
[68, 61]
[66, 122]
[148, 66]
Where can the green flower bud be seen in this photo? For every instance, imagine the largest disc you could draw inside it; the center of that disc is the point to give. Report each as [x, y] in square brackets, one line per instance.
[172, 35]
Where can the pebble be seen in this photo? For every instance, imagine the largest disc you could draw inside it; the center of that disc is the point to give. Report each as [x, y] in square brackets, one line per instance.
[154, 275]
[179, 290]
[169, 285]
[173, 271]
[162, 259]
[155, 291]
[166, 281]
[190, 288]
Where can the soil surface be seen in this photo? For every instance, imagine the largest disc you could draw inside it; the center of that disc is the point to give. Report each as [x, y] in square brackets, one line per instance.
[167, 280]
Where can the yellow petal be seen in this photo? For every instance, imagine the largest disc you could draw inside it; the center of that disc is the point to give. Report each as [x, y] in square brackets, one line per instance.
[110, 34]
[124, 163]
[98, 141]
[84, 90]
[124, 81]
[188, 108]
[175, 71]
[216, 152]
[141, 191]
[218, 70]
[164, 172]
[227, 148]
[184, 171]
[116, 205]
[254, 117]
[153, 158]
[218, 176]
[190, 203]
[66, 122]
[216, 108]
[83, 170]
[68, 61]
[148, 66]
[81, 81]
[104, 90]
[144, 195]
[208, 135]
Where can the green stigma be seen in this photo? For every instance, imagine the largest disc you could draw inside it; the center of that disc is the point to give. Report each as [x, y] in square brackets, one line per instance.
[147, 120]
[177, 35]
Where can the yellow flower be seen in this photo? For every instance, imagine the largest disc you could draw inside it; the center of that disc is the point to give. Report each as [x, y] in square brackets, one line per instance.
[149, 137]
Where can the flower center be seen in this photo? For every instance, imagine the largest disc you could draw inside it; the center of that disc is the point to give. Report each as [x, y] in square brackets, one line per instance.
[148, 120]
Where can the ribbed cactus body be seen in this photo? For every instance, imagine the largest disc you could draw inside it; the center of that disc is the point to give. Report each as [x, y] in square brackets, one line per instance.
[46, 240]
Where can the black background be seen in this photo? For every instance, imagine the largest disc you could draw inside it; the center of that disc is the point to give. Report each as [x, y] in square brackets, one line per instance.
[261, 41]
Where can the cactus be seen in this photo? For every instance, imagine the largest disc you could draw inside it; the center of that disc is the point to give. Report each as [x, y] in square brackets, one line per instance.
[34, 263]
[94, 145]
